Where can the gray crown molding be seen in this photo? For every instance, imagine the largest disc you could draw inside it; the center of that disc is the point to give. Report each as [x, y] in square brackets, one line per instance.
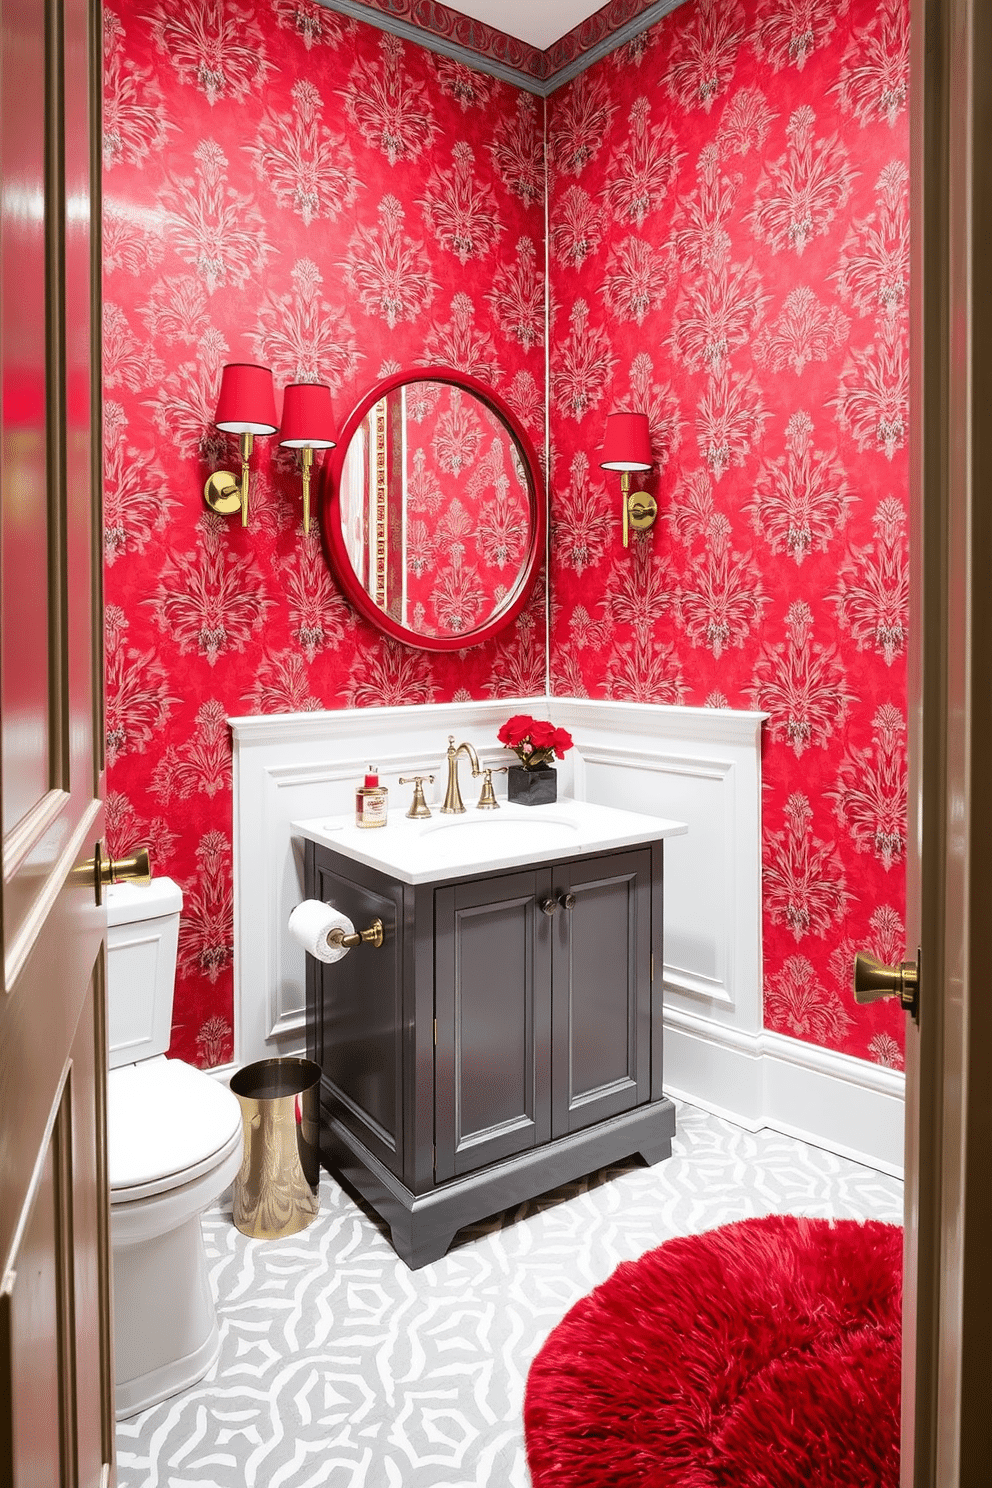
[609, 44]
[541, 87]
[407, 31]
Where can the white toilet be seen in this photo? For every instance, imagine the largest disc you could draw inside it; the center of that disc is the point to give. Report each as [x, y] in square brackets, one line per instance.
[174, 1145]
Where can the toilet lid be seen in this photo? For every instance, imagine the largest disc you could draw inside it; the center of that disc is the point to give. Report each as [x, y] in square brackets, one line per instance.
[164, 1117]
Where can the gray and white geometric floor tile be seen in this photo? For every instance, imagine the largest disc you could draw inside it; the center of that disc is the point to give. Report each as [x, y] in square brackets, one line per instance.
[341, 1367]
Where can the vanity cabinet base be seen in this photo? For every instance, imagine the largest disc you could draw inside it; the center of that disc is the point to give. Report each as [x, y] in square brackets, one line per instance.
[422, 1226]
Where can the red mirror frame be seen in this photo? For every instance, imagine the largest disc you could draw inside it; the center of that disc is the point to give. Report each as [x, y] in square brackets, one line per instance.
[333, 538]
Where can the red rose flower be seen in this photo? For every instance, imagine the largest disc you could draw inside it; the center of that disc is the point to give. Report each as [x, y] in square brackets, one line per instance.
[542, 734]
[515, 730]
[562, 741]
[534, 740]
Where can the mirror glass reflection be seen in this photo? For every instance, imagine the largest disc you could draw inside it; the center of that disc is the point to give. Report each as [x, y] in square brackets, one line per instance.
[435, 509]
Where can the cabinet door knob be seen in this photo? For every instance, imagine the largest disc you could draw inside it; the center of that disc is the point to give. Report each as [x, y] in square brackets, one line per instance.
[549, 906]
[567, 901]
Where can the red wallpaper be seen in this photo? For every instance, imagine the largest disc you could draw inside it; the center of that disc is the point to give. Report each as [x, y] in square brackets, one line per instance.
[282, 185]
[730, 254]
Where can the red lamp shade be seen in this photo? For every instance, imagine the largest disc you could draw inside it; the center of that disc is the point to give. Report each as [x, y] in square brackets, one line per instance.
[626, 443]
[247, 402]
[307, 421]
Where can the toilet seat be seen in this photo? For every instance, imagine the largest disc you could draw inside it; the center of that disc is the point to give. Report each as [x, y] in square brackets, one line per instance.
[168, 1124]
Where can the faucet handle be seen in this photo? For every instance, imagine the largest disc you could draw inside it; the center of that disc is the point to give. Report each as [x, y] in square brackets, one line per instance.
[418, 806]
[487, 799]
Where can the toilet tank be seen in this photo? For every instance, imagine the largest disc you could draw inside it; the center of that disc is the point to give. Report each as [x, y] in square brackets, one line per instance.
[142, 941]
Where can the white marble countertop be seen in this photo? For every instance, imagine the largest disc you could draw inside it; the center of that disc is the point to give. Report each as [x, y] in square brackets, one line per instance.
[513, 836]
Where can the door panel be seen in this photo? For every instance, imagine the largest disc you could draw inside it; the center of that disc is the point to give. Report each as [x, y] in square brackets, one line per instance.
[56, 1412]
[492, 989]
[602, 990]
[25, 94]
[54, 1289]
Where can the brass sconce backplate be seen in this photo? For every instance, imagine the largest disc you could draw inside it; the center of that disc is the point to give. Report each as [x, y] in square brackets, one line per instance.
[641, 510]
[222, 493]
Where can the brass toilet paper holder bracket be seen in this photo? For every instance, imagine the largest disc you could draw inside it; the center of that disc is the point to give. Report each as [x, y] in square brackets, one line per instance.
[372, 936]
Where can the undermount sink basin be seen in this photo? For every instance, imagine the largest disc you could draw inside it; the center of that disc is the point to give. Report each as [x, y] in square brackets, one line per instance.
[446, 847]
[463, 834]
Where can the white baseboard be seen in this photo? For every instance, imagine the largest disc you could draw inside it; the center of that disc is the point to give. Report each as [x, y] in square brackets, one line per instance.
[846, 1105]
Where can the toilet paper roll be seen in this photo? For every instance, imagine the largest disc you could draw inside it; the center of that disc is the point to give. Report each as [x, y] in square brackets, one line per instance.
[311, 922]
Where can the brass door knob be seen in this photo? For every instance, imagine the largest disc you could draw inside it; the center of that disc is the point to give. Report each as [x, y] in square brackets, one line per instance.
[99, 870]
[873, 981]
[137, 869]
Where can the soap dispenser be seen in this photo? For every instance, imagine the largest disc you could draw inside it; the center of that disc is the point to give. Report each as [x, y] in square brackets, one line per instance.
[371, 801]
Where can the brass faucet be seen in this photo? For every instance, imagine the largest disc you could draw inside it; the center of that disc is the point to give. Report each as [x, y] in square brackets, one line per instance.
[453, 803]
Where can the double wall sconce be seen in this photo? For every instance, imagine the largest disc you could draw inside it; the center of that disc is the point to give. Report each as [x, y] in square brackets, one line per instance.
[247, 406]
[627, 447]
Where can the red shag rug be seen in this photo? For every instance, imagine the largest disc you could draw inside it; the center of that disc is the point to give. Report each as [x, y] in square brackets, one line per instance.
[764, 1354]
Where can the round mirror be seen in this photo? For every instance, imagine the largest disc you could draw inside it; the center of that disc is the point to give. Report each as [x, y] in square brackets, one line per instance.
[432, 516]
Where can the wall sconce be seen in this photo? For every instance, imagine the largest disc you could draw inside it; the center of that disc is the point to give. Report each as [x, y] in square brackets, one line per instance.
[246, 406]
[307, 424]
[627, 447]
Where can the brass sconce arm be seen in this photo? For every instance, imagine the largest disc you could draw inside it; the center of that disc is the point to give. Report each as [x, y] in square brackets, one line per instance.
[625, 504]
[307, 466]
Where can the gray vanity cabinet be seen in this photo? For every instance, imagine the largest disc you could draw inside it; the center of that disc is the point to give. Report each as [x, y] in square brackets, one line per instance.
[506, 1037]
[543, 1018]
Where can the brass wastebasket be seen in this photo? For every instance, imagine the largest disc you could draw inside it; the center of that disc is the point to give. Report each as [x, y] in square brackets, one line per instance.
[276, 1191]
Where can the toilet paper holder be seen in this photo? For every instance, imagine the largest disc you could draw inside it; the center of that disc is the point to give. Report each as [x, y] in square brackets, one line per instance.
[372, 936]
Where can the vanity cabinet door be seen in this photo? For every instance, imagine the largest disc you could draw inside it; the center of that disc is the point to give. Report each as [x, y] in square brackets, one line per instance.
[601, 1041]
[492, 1000]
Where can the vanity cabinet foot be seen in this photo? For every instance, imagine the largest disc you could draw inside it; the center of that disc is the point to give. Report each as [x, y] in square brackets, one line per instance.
[656, 1152]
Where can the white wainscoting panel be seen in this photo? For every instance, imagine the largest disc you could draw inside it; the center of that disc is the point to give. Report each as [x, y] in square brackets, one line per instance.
[701, 766]
[698, 765]
[700, 923]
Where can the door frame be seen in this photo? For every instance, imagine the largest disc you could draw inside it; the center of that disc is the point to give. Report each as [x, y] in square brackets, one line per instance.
[947, 1427]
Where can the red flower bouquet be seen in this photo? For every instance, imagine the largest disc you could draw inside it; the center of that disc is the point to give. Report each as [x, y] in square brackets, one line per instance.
[534, 741]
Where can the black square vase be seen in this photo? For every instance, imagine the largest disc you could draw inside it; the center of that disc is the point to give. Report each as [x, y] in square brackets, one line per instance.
[532, 787]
